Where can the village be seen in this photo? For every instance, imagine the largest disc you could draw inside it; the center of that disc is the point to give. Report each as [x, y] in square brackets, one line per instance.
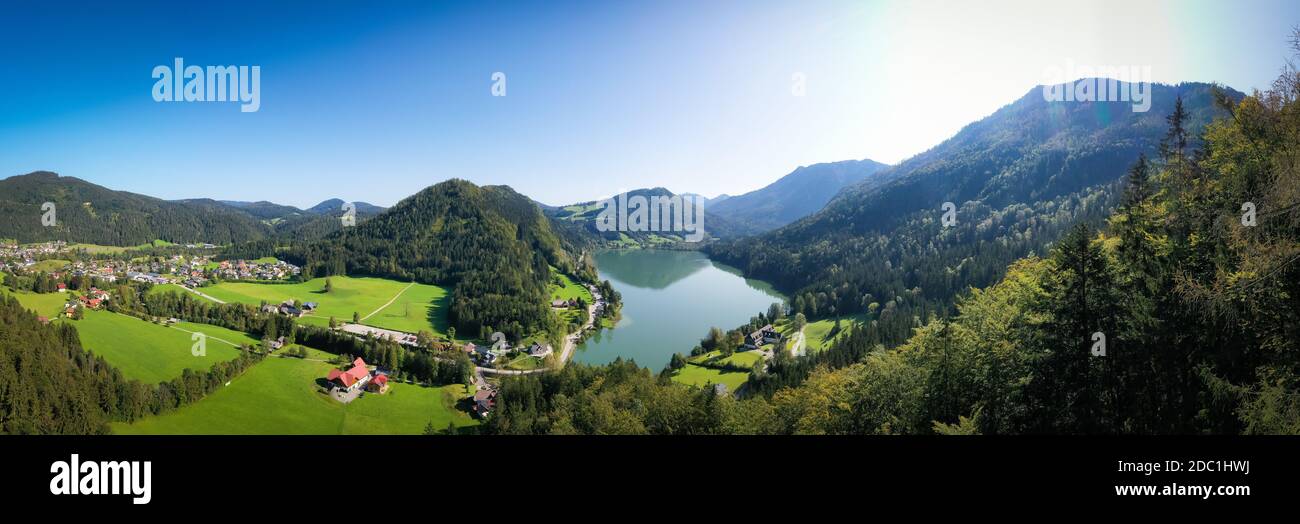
[190, 271]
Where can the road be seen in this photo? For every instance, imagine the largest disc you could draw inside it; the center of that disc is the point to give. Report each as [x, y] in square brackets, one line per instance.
[796, 349]
[202, 294]
[390, 302]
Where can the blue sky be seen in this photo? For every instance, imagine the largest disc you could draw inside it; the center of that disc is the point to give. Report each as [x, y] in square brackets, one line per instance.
[373, 104]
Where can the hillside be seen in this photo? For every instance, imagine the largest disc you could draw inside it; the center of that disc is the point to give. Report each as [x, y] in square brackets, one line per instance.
[1019, 178]
[93, 214]
[796, 195]
[490, 243]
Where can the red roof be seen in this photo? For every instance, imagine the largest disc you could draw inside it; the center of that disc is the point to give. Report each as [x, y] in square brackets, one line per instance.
[351, 376]
[381, 379]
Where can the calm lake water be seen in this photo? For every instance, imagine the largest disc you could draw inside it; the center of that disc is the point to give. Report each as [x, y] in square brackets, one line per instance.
[670, 300]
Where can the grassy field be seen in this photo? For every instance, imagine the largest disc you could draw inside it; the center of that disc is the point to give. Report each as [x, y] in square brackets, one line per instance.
[409, 312]
[168, 288]
[278, 396]
[151, 352]
[817, 335]
[46, 266]
[95, 249]
[48, 305]
[741, 358]
[699, 376]
[569, 289]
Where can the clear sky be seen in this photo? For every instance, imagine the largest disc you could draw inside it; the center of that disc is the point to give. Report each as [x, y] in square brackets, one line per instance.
[368, 103]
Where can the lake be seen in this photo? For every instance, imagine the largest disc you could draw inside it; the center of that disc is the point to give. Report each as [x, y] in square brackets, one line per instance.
[670, 300]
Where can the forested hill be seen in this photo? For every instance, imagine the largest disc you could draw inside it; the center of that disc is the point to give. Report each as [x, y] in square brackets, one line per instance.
[798, 194]
[578, 221]
[491, 243]
[85, 212]
[1018, 178]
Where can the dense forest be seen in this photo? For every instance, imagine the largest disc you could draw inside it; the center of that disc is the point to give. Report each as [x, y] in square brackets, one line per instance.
[1178, 314]
[85, 212]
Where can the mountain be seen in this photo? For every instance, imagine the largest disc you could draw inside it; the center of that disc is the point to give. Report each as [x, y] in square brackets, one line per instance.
[86, 212]
[578, 221]
[1017, 180]
[262, 210]
[708, 202]
[493, 246]
[796, 195]
[334, 206]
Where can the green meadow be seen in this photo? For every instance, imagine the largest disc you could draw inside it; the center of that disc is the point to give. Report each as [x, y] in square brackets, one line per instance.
[410, 310]
[700, 376]
[817, 335]
[47, 266]
[151, 352]
[47, 305]
[279, 396]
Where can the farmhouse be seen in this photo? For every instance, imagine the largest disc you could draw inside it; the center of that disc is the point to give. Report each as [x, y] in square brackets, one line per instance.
[762, 336]
[484, 400]
[351, 379]
[539, 350]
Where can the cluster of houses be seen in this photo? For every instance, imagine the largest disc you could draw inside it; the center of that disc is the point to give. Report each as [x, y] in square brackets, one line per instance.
[253, 270]
[94, 299]
[486, 356]
[355, 379]
[17, 257]
[290, 308]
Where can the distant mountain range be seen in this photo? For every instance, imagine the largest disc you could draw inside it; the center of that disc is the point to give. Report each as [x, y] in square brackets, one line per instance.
[86, 212]
[796, 195]
[1017, 178]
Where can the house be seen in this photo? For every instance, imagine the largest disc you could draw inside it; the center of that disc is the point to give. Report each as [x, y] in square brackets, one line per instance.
[484, 400]
[43, 320]
[279, 343]
[762, 336]
[270, 308]
[173, 320]
[351, 379]
[559, 303]
[290, 310]
[379, 384]
[538, 350]
[483, 353]
[309, 306]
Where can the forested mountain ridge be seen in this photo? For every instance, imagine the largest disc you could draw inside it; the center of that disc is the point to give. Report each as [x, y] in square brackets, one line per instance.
[490, 243]
[579, 223]
[86, 212]
[796, 195]
[1018, 179]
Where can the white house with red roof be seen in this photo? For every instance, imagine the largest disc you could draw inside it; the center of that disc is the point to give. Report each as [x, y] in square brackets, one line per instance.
[351, 379]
